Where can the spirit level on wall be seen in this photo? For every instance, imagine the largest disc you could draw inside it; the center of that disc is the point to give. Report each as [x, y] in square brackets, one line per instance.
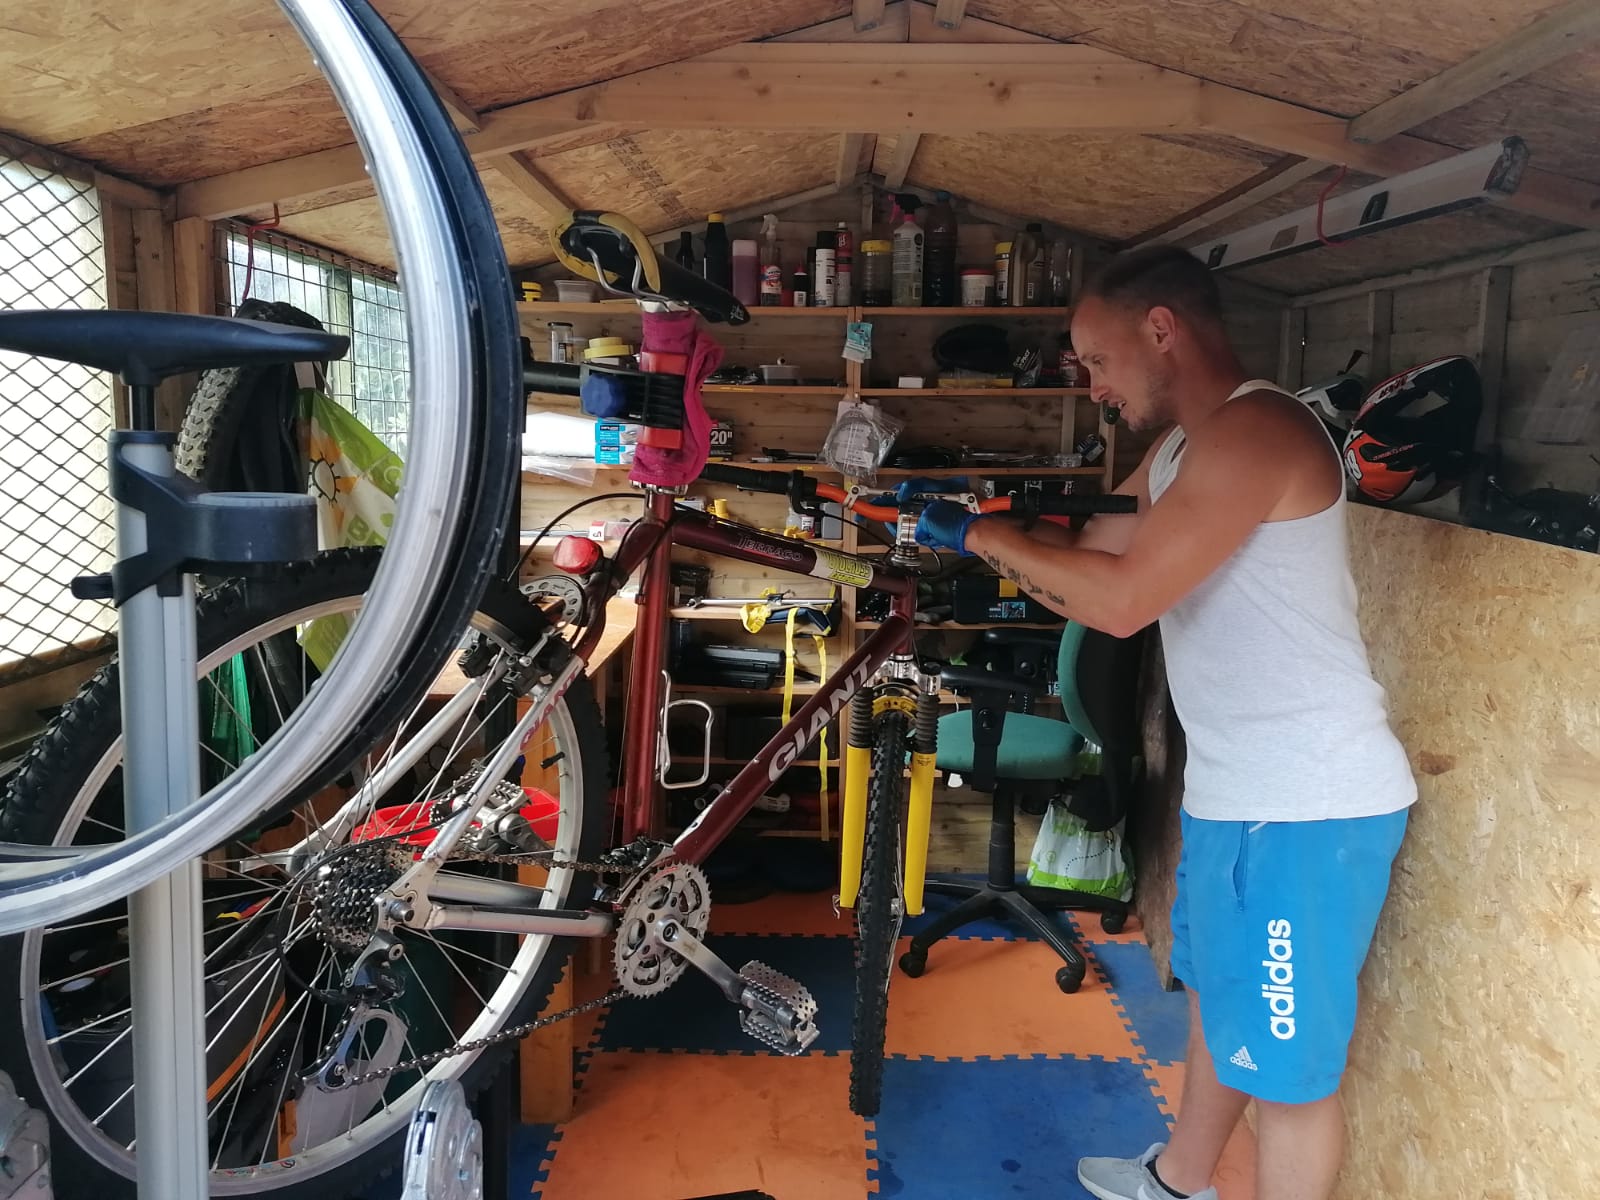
[1488, 173]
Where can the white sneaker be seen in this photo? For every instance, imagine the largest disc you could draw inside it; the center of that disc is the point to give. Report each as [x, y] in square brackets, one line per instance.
[1128, 1178]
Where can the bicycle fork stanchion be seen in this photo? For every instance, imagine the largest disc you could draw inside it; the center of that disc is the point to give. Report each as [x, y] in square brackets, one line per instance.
[166, 527]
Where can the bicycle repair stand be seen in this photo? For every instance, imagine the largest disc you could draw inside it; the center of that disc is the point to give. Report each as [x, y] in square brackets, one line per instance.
[168, 526]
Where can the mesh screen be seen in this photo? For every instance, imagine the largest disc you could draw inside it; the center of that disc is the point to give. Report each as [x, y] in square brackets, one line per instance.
[348, 297]
[55, 514]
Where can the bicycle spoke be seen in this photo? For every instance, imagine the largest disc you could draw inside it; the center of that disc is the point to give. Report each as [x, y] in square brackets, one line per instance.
[465, 978]
[449, 949]
[299, 1034]
[238, 1092]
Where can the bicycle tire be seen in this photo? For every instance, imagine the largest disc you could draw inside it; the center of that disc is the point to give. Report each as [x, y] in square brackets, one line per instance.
[64, 761]
[877, 921]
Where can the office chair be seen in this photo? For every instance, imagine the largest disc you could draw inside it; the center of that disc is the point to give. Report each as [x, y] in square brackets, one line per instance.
[1021, 755]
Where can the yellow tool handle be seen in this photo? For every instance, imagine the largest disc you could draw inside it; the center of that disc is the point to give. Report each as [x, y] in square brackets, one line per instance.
[919, 823]
[853, 823]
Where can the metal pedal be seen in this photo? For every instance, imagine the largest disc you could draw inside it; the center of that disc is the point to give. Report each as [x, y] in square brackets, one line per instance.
[773, 1008]
[777, 1010]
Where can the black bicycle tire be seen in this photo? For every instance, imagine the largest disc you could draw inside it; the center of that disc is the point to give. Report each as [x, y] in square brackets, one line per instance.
[876, 921]
[211, 427]
[79, 737]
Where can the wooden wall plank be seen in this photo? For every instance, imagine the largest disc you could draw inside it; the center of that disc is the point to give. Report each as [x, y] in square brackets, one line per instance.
[1292, 349]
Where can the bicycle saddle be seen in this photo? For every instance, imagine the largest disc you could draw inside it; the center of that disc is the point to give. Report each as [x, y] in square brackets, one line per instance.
[612, 251]
[147, 347]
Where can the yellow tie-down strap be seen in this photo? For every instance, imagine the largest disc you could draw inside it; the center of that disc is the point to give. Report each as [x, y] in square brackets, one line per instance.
[821, 644]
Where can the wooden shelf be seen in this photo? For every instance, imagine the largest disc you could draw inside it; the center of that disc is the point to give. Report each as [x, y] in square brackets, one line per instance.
[775, 621]
[983, 625]
[1042, 393]
[628, 308]
[744, 762]
[771, 389]
[867, 313]
[708, 689]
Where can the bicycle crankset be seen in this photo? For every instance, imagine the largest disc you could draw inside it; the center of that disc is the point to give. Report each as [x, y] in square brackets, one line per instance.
[660, 932]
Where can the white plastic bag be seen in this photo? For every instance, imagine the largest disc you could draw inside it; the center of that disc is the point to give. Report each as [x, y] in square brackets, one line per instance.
[860, 440]
[1067, 855]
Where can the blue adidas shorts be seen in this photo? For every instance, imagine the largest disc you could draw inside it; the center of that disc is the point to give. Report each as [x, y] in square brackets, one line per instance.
[1270, 927]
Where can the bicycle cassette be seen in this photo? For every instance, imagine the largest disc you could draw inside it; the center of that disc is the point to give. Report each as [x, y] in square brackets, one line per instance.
[644, 963]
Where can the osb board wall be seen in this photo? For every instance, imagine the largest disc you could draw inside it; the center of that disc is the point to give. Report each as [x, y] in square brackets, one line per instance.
[1479, 1040]
[1550, 300]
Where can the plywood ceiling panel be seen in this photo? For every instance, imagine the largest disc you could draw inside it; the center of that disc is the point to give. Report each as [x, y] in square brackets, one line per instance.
[1108, 186]
[1558, 125]
[77, 71]
[1343, 58]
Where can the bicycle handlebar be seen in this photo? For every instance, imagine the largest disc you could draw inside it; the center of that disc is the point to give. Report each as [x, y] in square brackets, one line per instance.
[797, 485]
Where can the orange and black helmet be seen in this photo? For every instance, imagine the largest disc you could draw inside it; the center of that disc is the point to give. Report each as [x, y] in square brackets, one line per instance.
[1413, 437]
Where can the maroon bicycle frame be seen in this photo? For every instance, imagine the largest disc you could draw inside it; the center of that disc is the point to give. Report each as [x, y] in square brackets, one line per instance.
[648, 544]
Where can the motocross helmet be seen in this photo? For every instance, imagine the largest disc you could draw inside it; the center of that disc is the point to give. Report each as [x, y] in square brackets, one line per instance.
[1413, 437]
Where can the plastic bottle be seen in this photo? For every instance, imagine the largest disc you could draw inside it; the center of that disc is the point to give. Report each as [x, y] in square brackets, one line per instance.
[771, 262]
[908, 256]
[800, 296]
[1058, 271]
[1002, 274]
[844, 265]
[822, 271]
[877, 273]
[1036, 279]
[939, 287]
[719, 259]
[685, 255]
[746, 271]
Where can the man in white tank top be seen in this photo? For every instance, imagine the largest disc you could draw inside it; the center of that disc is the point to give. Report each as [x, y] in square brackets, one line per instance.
[1296, 790]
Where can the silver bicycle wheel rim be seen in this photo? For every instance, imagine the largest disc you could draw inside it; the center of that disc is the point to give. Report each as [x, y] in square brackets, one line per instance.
[372, 1131]
[425, 523]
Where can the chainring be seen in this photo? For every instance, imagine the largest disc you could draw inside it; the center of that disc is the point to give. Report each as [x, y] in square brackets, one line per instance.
[677, 892]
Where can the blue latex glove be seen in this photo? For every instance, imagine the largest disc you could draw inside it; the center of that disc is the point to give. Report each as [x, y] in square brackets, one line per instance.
[914, 486]
[944, 525]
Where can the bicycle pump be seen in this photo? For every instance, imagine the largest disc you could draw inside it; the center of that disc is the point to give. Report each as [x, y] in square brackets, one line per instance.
[167, 527]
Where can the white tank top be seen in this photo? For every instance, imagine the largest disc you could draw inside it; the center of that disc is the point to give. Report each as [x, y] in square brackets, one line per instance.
[1270, 678]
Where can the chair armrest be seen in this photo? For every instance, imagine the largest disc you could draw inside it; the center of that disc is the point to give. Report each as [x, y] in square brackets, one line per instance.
[1045, 639]
[991, 681]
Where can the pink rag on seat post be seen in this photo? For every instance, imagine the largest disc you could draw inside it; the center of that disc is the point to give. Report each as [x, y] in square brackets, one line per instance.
[680, 333]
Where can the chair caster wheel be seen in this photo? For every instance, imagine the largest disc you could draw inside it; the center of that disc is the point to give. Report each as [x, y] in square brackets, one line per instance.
[1069, 978]
[1113, 922]
[913, 964]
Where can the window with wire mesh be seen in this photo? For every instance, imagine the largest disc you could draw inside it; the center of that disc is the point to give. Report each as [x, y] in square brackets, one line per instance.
[56, 515]
[348, 297]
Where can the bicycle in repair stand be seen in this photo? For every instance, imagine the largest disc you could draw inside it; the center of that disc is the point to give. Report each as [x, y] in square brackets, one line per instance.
[384, 900]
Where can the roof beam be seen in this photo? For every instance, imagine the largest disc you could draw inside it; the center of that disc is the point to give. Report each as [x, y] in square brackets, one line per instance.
[1563, 31]
[959, 88]
[899, 164]
[464, 116]
[519, 170]
[925, 26]
[867, 14]
[949, 13]
[849, 164]
[891, 27]
[1279, 177]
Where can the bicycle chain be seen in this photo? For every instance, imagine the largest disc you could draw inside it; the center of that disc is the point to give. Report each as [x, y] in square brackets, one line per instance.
[529, 858]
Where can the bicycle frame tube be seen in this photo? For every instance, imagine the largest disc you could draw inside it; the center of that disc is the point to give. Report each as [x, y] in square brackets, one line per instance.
[648, 544]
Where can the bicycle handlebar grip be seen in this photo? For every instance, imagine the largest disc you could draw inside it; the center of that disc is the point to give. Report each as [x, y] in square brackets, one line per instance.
[1086, 506]
[775, 482]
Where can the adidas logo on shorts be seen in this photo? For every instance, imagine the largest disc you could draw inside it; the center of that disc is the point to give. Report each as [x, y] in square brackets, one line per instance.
[1241, 1058]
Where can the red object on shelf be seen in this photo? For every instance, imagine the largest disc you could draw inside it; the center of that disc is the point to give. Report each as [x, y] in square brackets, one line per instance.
[577, 555]
[542, 812]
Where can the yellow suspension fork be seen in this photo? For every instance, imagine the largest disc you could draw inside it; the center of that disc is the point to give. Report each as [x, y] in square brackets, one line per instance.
[853, 820]
[919, 809]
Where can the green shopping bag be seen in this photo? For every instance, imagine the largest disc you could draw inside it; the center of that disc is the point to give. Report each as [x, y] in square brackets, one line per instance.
[354, 478]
